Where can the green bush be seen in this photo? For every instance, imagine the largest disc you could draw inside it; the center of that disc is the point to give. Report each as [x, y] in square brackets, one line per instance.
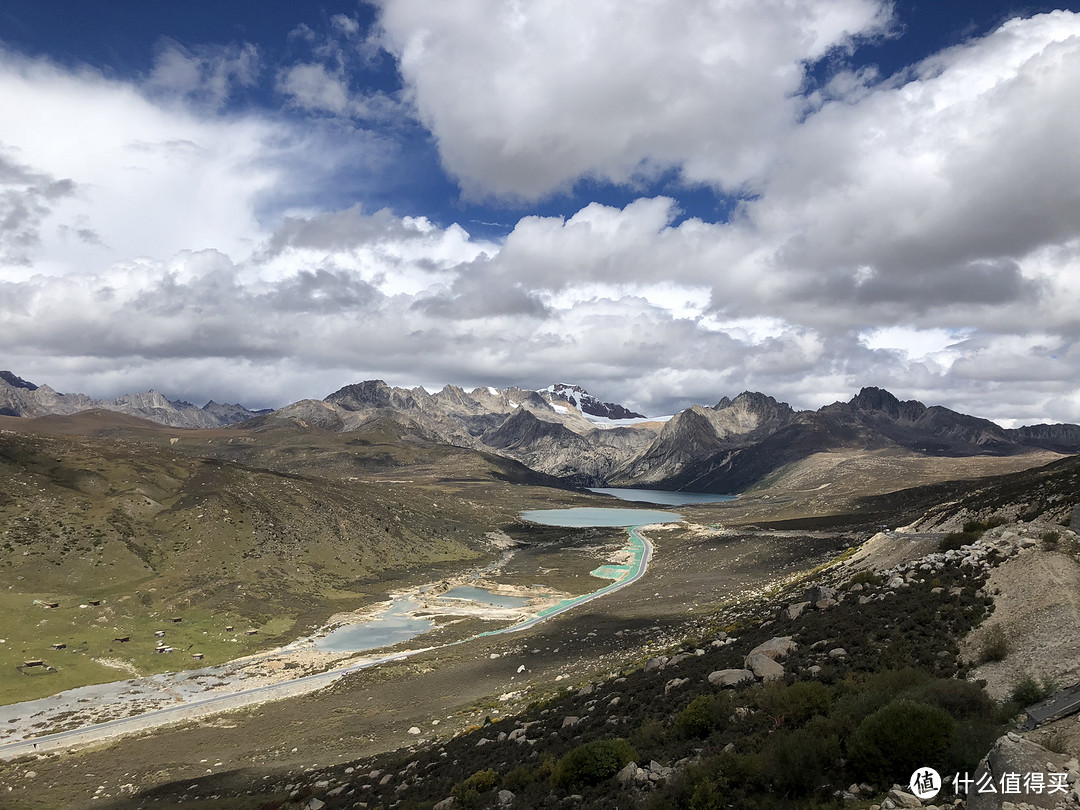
[1050, 540]
[995, 646]
[953, 540]
[704, 715]
[896, 739]
[794, 764]
[592, 763]
[469, 793]
[977, 527]
[964, 700]
[867, 578]
[794, 705]
[1027, 690]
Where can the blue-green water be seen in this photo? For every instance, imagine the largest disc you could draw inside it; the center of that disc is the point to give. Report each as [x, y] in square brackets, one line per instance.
[484, 596]
[581, 516]
[661, 496]
[393, 627]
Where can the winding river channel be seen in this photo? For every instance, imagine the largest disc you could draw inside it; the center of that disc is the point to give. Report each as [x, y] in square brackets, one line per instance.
[173, 697]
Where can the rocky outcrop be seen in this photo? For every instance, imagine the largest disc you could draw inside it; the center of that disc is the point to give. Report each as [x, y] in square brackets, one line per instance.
[1017, 755]
[730, 677]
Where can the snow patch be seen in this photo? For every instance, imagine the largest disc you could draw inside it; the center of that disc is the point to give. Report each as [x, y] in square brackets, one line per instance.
[604, 423]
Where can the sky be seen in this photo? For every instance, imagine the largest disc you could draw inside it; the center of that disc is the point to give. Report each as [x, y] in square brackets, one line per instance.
[665, 203]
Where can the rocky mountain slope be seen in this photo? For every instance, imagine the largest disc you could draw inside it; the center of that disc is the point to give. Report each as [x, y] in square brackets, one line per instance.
[738, 444]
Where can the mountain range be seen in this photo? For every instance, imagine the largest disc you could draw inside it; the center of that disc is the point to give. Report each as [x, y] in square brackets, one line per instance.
[564, 431]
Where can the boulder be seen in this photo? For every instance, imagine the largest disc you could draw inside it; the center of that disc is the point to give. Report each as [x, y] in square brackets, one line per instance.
[795, 609]
[570, 720]
[675, 683]
[818, 593]
[903, 799]
[1015, 754]
[505, 798]
[730, 677]
[772, 649]
[765, 668]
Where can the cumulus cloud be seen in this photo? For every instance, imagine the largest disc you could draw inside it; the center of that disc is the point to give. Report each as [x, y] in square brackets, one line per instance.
[322, 75]
[525, 98]
[918, 232]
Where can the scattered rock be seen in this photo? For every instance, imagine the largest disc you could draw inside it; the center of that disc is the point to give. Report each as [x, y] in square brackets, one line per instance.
[505, 798]
[795, 609]
[902, 798]
[772, 649]
[414, 730]
[730, 677]
[654, 664]
[766, 668]
[570, 721]
[675, 683]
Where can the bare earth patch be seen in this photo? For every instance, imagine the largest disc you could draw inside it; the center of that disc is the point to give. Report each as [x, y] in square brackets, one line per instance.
[1037, 602]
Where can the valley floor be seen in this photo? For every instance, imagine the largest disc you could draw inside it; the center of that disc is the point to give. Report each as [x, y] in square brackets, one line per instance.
[442, 691]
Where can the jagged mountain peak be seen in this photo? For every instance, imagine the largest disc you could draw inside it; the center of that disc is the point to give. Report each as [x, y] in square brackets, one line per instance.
[16, 381]
[587, 403]
[755, 402]
[872, 399]
[363, 395]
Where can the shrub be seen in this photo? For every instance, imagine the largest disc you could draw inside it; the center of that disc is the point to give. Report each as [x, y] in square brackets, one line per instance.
[995, 646]
[964, 700]
[1050, 540]
[795, 704]
[592, 763]
[1027, 690]
[867, 578]
[796, 763]
[469, 792]
[896, 739]
[704, 715]
[953, 540]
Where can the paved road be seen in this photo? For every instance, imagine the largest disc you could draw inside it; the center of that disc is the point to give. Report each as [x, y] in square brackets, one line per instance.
[308, 683]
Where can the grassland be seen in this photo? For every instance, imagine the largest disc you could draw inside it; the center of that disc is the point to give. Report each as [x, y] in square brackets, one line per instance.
[104, 508]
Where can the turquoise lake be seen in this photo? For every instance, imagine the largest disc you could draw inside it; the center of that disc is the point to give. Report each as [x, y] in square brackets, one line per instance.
[661, 496]
[582, 516]
[484, 596]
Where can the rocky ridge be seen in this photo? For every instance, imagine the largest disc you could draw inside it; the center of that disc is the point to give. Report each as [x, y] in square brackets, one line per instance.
[21, 398]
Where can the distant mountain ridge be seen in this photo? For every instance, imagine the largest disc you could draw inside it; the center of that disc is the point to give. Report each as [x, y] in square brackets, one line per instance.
[21, 398]
[564, 431]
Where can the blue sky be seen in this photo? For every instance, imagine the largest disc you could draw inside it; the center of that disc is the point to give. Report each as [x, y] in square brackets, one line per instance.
[667, 204]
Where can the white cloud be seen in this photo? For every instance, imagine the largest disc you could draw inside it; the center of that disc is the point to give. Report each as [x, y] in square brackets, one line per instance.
[527, 97]
[206, 74]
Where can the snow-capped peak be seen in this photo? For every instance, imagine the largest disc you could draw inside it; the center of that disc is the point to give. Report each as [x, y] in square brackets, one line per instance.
[586, 402]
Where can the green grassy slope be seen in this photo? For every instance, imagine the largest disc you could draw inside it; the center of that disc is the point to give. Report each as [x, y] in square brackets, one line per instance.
[107, 509]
